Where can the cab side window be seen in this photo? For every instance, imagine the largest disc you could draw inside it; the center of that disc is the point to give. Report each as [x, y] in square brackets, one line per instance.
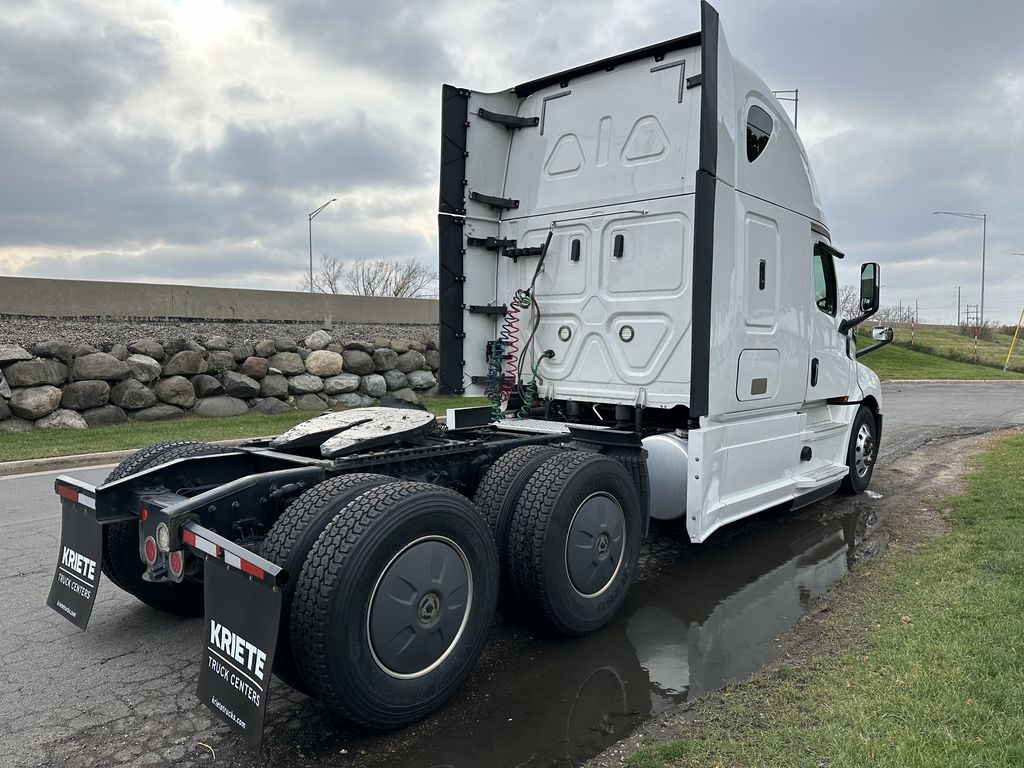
[824, 283]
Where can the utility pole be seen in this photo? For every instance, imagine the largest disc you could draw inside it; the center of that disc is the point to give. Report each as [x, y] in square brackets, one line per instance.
[958, 306]
[312, 216]
[983, 218]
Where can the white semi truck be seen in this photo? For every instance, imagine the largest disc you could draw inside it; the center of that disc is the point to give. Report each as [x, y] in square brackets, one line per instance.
[635, 269]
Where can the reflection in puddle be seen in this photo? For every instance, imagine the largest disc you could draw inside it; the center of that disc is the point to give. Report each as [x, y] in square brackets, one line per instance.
[699, 618]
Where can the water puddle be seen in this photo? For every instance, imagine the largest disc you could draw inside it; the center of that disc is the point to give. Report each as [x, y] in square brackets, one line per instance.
[699, 617]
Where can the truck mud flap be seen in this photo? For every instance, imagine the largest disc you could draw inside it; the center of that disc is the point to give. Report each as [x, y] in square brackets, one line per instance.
[77, 577]
[243, 608]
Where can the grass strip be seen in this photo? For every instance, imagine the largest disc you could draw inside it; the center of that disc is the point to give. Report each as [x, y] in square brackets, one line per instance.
[136, 434]
[922, 660]
[897, 362]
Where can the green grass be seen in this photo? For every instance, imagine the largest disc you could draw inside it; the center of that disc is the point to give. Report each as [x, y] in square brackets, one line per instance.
[46, 443]
[947, 341]
[898, 362]
[926, 666]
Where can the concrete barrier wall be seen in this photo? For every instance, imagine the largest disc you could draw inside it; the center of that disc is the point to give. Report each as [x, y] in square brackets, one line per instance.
[40, 297]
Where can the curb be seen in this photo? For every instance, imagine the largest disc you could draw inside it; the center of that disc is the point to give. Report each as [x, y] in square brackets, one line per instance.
[953, 381]
[57, 463]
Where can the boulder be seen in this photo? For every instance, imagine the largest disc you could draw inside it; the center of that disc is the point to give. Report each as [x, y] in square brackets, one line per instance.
[349, 400]
[32, 373]
[303, 352]
[5, 388]
[395, 380]
[365, 401]
[148, 347]
[310, 403]
[255, 367]
[133, 395]
[99, 365]
[405, 394]
[361, 346]
[143, 367]
[205, 385]
[421, 379]
[418, 346]
[288, 363]
[270, 405]
[160, 412]
[381, 343]
[219, 407]
[323, 363]
[384, 359]
[62, 418]
[185, 363]
[176, 390]
[284, 344]
[104, 416]
[358, 362]
[34, 402]
[174, 346]
[340, 384]
[57, 349]
[194, 346]
[120, 351]
[84, 349]
[318, 340]
[431, 343]
[432, 358]
[373, 385]
[82, 395]
[5, 409]
[335, 347]
[401, 346]
[220, 361]
[410, 361]
[274, 385]
[11, 353]
[15, 424]
[242, 351]
[305, 383]
[217, 343]
[239, 385]
[265, 348]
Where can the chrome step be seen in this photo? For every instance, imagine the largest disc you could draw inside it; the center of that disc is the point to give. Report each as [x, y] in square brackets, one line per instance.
[822, 475]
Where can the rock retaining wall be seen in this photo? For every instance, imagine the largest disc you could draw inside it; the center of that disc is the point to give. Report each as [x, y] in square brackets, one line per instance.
[57, 385]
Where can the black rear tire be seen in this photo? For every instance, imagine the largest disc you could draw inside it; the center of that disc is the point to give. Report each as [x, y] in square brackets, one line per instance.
[395, 603]
[122, 563]
[292, 537]
[575, 540]
[861, 453]
[499, 491]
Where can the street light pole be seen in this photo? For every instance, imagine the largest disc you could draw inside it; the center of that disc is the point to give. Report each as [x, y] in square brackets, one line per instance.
[312, 216]
[983, 218]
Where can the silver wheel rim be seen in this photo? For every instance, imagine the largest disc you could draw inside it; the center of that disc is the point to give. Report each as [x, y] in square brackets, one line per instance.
[424, 614]
[864, 451]
[595, 545]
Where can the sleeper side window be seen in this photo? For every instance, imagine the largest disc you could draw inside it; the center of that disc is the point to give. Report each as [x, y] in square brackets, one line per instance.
[824, 283]
[759, 129]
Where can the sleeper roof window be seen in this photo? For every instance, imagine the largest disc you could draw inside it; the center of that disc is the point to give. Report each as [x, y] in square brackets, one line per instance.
[759, 128]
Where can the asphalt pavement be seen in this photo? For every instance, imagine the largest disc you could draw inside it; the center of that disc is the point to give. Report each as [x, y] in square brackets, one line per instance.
[123, 692]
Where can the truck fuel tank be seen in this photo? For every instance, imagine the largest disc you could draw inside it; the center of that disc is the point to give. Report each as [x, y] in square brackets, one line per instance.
[667, 458]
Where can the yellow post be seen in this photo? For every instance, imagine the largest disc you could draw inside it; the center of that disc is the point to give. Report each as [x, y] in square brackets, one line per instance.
[1012, 343]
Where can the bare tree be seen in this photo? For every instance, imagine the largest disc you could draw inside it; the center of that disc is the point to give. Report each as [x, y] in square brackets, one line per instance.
[327, 279]
[405, 278]
[849, 301]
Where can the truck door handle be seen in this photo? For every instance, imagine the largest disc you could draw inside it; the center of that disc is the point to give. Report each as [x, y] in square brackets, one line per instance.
[814, 372]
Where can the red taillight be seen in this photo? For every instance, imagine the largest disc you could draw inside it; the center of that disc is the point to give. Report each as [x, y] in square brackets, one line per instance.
[176, 563]
[150, 550]
[145, 515]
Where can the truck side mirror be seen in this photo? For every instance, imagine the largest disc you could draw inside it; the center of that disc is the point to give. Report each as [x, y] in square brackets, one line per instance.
[868, 297]
[869, 288]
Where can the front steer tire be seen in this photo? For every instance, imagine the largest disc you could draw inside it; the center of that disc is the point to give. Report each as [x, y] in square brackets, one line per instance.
[395, 603]
[861, 453]
[121, 562]
[575, 540]
[289, 541]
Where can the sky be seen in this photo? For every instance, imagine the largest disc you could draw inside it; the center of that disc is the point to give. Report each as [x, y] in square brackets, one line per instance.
[185, 141]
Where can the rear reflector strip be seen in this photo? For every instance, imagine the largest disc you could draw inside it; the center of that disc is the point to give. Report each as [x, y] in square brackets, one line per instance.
[240, 563]
[201, 544]
[76, 496]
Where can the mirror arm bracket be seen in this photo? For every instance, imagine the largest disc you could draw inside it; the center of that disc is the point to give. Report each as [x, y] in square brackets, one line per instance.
[846, 325]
